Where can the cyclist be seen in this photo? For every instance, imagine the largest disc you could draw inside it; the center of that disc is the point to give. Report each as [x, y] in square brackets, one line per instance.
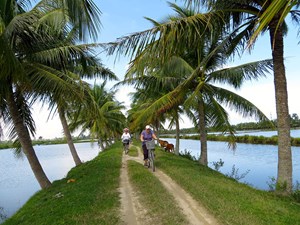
[146, 135]
[126, 139]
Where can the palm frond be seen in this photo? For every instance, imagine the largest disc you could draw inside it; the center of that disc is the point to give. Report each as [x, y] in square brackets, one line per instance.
[235, 76]
[237, 103]
[132, 45]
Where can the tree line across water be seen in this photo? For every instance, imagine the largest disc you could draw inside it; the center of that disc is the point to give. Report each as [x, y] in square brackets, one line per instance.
[261, 125]
[248, 139]
[251, 139]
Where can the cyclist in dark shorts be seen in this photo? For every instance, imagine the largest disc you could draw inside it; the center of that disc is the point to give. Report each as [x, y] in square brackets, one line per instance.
[146, 135]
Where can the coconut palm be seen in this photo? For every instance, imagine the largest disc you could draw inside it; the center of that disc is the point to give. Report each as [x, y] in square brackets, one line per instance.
[26, 69]
[198, 62]
[150, 86]
[206, 99]
[279, 9]
[105, 122]
[270, 16]
[246, 12]
[81, 64]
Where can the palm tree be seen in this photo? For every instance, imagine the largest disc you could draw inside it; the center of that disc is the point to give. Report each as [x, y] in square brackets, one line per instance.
[270, 15]
[197, 61]
[279, 9]
[81, 64]
[105, 122]
[248, 13]
[25, 69]
[150, 86]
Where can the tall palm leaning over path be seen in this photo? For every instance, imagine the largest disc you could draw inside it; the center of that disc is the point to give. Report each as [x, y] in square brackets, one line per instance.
[198, 62]
[81, 64]
[25, 69]
[269, 15]
[151, 86]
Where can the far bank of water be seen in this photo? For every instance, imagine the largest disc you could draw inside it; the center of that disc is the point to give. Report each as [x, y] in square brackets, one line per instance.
[294, 133]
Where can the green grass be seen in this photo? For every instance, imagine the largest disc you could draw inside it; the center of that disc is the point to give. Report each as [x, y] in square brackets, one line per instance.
[159, 202]
[92, 199]
[133, 151]
[231, 202]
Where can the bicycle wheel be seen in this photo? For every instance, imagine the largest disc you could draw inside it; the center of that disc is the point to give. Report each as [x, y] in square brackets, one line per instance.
[152, 160]
[149, 163]
[126, 148]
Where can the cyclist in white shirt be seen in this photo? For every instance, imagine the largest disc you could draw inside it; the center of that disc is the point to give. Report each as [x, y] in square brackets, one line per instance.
[126, 137]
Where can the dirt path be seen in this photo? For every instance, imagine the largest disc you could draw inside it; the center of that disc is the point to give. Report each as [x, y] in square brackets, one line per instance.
[133, 213]
[131, 209]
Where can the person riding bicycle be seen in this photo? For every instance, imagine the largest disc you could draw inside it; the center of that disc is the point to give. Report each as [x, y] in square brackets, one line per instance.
[126, 137]
[146, 135]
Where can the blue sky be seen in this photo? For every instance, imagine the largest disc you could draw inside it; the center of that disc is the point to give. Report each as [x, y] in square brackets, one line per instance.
[121, 18]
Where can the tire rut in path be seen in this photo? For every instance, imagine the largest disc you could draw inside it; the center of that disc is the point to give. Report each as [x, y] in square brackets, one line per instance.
[131, 210]
[195, 213]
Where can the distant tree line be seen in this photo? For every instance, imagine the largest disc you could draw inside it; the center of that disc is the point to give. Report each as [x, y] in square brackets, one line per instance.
[261, 125]
[266, 125]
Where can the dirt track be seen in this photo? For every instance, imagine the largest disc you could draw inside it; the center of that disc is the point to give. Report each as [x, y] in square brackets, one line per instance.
[132, 211]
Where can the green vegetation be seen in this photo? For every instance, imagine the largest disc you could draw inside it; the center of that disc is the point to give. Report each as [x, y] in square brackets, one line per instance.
[231, 202]
[160, 203]
[261, 125]
[133, 151]
[241, 139]
[10, 144]
[93, 196]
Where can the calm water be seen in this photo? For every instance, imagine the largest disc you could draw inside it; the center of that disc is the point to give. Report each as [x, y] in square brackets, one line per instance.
[260, 160]
[294, 133]
[17, 182]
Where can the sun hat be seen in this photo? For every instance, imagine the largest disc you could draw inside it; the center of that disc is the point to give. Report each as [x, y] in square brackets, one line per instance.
[148, 127]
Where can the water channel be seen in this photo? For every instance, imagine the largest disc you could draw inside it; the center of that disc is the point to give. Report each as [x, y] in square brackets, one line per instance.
[17, 181]
[258, 162]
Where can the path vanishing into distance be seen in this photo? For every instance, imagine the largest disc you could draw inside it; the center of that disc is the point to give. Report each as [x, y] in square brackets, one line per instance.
[134, 213]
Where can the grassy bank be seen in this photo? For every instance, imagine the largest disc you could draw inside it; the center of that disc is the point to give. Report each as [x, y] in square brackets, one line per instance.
[231, 202]
[92, 199]
[94, 196]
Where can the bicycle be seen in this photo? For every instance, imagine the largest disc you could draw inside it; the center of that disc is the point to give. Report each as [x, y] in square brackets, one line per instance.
[126, 146]
[150, 145]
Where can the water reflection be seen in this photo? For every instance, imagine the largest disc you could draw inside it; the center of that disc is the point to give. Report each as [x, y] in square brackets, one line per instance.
[17, 181]
[260, 160]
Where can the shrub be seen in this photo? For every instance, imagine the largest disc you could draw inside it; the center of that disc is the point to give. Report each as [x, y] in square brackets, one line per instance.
[187, 154]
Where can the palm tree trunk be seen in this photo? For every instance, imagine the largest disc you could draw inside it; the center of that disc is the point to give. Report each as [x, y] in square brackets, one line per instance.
[177, 136]
[203, 137]
[100, 143]
[26, 142]
[284, 176]
[68, 136]
[157, 132]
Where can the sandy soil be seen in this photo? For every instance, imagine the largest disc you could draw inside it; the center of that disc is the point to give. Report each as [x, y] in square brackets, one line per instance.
[133, 213]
